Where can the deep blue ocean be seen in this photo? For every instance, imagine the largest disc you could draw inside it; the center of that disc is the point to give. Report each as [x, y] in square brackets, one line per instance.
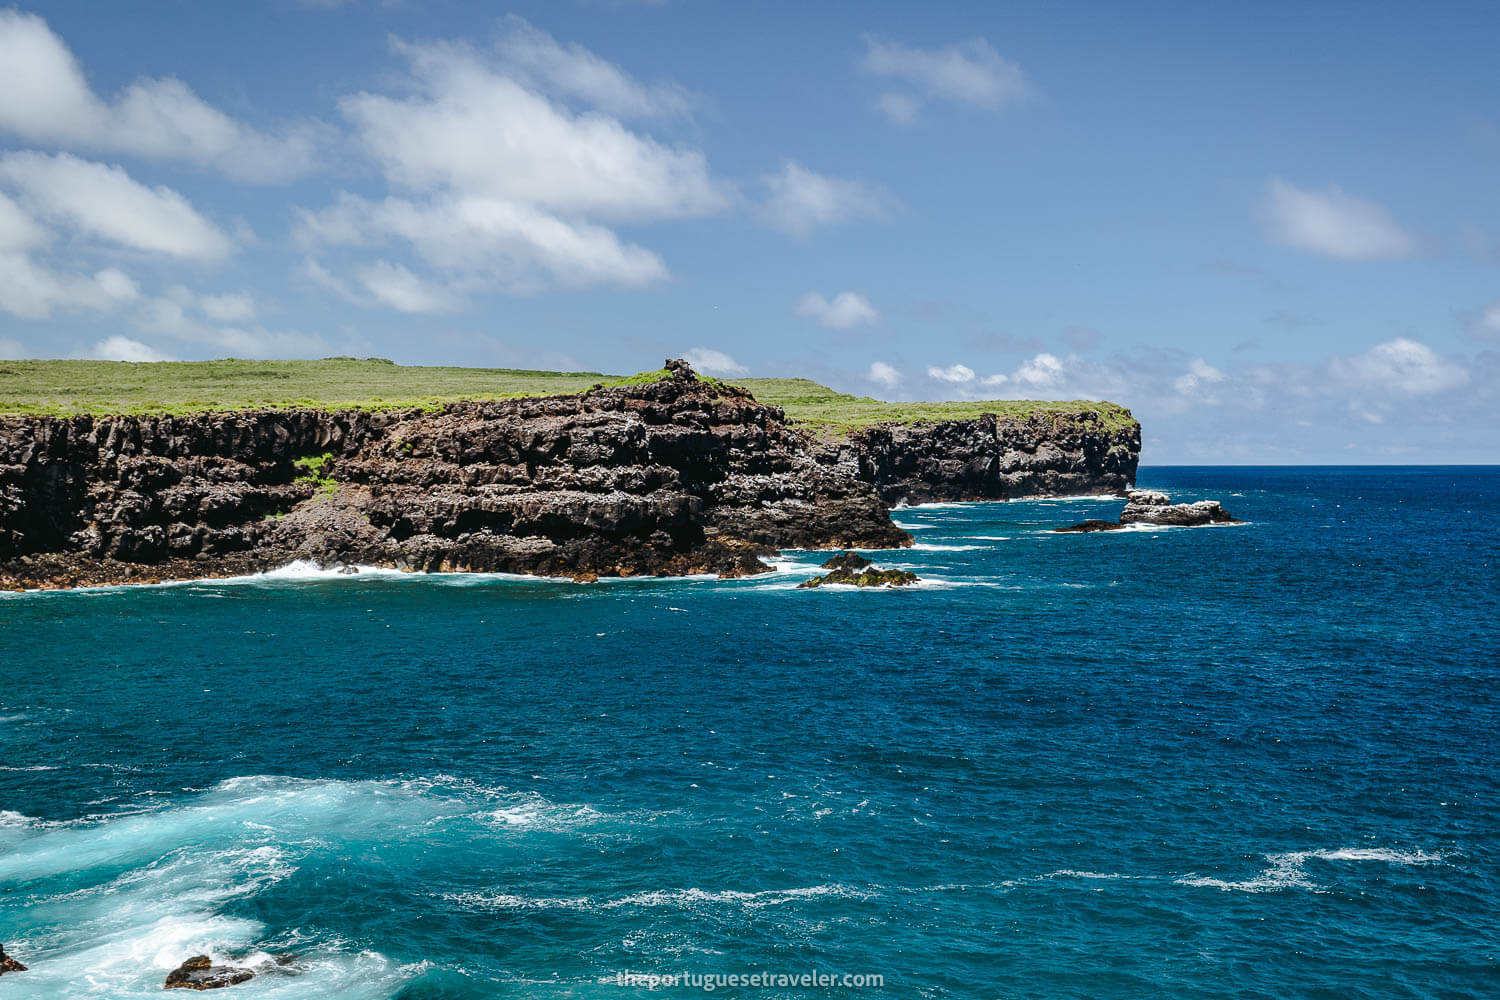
[1248, 761]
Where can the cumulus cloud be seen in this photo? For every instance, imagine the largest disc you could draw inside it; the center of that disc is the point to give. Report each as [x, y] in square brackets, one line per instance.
[33, 290]
[884, 374]
[1198, 380]
[952, 374]
[500, 183]
[845, 310]
[571, 71]
[18, 230]
[47, 99]
[1404, 366]
[800, 200]
[118, 348]
[969, 72]
[395, 286]
[193, 318]
[104, 202]
[707, 361]
[487, 242]
[471, 127]
[1332, 223]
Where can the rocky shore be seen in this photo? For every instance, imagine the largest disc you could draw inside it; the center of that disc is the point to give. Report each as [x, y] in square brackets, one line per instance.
[675, 476]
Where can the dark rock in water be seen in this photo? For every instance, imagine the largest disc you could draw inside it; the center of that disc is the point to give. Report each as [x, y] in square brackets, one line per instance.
[848, 560]
[1091, 525]
[872, 577]
[199, 973]
[8, 964]
[1151, 507]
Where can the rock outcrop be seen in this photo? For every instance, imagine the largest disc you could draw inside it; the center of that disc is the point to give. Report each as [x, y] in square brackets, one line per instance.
[675, 476]
[8, 964]
[853, 570]
[1150, 507]
[199, 973]
[992, 457]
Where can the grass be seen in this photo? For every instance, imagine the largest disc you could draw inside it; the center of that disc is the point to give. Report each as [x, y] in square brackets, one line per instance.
[312, 468]
[808, 402]
[67, 388]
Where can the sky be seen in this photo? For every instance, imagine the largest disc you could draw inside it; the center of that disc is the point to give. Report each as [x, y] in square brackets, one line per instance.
[1272, 230]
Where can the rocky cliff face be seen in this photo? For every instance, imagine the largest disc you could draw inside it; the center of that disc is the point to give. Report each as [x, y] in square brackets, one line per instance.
[990, 458]
[672, 477]
[679, 476]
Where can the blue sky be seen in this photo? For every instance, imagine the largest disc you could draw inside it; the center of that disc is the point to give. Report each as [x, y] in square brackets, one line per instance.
[1271, 230]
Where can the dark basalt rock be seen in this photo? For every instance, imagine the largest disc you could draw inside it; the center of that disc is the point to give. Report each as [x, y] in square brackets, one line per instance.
[990, 457]
[199, 973]
[8, 964]
[1091, 525]
[674, 477]
[848, 561]
[872, 577]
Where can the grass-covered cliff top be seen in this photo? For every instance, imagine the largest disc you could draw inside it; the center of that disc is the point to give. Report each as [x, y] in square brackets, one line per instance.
[66, 388]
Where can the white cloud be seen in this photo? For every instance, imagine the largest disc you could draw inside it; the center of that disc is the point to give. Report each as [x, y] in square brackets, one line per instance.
[47, 99]
[471, 128]
[884, 374]
[499, 186]
[571, 71]
[487, 242]
[845, 310]
[1483, 325]
[119, 348]
[1402, 365]
[102, 201]
[953, 374]
[1332, 223]
[395, 286]
[11, 350]
[237, 307]
[185, 315]
[899, 108]
[1198, 379]
[18, 231]
[31, 290]
[969, 72]
[801, 200]
[707, 361]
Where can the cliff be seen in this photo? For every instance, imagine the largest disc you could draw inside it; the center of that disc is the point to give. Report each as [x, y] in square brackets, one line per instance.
[990, 457]
[670, 476]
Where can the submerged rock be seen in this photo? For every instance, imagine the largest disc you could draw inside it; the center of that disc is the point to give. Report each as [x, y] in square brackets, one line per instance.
[872, 577]
[849, 561]
[199, 973]
[1151, 507]
[8, 964]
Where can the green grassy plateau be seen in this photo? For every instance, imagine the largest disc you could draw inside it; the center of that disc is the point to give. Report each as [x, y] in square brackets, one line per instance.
[66, 388]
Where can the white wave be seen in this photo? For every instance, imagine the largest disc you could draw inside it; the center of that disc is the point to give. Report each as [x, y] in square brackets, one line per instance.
[991, 538]
[679, 899]
[1288, 870]
[31, 769]
[912, 527]
[936, 547]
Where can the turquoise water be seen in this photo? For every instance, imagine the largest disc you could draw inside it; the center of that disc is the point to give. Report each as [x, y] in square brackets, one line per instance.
[1250, 761]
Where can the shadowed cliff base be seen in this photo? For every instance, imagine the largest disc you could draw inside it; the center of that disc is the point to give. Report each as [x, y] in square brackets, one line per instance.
[663, 473]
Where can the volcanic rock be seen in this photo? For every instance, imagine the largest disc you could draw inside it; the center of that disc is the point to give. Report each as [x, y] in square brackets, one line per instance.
[199, 973]
[8, 964]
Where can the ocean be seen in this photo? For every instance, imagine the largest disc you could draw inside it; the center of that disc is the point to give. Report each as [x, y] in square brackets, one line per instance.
[1244, 761]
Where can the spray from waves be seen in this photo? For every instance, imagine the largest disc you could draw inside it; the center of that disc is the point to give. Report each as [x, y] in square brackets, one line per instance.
[1289, 871]
[106, 906]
